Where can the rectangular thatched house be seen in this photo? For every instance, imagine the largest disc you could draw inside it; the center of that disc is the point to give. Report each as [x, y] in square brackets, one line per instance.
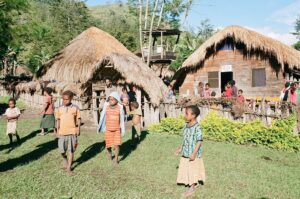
[258, 64]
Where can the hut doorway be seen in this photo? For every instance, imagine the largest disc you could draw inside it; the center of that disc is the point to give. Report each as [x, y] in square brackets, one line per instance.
[225, 78]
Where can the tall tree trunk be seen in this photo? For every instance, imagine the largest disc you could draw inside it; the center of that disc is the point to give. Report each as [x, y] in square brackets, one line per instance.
[161, 13]
[140, 27]
[146, 14]
[150, 33]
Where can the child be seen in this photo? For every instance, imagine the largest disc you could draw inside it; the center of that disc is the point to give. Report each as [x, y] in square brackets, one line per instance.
[240, 98]
[284, 94]
[207, 91]
[191, 168]
[48, 119]
[228, 92]
[112, 123]
[293, 93]
[136, 121]
[68, 128]
[12, 114]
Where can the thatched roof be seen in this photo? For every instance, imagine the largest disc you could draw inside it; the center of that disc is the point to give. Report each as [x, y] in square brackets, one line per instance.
[93, 50]
[23, 70]
[252, 40]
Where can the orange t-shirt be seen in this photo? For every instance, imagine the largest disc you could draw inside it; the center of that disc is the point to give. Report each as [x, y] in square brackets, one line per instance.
[113, 118]
[48, 102]
[68, 116]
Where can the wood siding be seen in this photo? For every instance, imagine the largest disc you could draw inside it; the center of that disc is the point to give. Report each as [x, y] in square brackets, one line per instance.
[242, 73]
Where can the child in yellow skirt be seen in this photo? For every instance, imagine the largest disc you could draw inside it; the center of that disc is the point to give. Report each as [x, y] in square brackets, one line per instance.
[191, 168]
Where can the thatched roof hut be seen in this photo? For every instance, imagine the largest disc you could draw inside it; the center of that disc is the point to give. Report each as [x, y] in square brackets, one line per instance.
[259, 64]
[252, 40]
[95, 55]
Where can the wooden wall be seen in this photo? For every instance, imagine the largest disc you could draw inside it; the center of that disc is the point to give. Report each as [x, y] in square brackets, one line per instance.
[242, 73]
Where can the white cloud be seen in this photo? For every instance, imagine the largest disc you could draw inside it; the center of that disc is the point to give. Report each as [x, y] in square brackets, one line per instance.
[288, 14]
[286, 38]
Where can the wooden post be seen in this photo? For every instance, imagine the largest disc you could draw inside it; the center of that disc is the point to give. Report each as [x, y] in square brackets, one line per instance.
[95, 108]
[146, 113]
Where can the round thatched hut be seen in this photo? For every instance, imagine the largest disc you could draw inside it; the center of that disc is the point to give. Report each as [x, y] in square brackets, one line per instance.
[90, 58]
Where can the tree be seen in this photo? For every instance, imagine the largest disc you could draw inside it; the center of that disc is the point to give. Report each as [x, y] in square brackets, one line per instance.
[10, 11]
[297, 33]
[190, 41]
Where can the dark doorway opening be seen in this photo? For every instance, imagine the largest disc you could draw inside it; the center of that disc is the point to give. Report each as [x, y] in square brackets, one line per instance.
[225, 78]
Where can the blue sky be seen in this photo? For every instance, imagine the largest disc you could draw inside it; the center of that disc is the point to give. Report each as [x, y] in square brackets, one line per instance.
[274, 18]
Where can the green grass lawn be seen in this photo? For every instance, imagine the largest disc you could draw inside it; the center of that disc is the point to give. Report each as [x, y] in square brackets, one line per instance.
[32, 170]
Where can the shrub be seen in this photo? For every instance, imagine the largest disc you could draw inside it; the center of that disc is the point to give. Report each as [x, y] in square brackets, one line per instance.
[278, 136]
[169, 125]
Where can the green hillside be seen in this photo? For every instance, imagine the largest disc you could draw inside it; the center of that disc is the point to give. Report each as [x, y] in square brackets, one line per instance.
[117, 20]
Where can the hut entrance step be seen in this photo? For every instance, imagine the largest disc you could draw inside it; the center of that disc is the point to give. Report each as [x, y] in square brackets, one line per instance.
[225, 78]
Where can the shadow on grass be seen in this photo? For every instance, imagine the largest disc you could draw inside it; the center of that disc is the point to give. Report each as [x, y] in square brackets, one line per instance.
[22, 140]
[89, 153]
[128, 147]
[41, 150]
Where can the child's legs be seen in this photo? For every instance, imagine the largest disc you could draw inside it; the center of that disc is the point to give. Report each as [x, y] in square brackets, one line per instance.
[10, 138]
[117, 150]
[108, 153]
[133, 132]
[17, 136]
[62, 147]
[70, 161]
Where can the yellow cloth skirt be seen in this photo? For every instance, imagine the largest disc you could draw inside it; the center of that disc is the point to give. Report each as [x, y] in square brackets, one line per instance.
[190, 172]
[11, 128]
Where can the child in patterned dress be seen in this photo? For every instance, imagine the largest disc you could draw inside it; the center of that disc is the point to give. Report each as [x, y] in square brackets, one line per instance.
[191, 168]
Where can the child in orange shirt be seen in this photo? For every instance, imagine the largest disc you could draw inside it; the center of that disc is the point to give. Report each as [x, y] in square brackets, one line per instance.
[112, 123]
[68, 128]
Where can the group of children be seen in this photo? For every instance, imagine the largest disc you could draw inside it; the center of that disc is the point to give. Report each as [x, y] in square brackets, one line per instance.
[290, 93]
[112, 123]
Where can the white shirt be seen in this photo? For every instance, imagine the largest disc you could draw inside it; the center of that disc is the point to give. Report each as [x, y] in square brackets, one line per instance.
[12, 112]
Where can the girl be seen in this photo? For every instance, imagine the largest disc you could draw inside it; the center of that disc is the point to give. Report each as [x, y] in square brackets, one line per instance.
[112, 123]
[48, 119]
[191, 168]
[12, 115]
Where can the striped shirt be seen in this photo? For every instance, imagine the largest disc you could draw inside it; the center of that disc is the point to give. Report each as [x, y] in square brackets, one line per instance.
[113, 118]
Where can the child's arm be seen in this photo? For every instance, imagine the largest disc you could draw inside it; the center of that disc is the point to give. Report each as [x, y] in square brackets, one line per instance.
[58, 124]
[178, 151]
[78, 127]
[194, 154]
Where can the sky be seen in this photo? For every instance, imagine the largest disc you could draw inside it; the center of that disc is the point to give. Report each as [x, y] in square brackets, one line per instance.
[273, 18]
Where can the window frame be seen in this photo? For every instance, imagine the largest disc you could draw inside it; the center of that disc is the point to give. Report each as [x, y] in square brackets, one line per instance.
[253, 82]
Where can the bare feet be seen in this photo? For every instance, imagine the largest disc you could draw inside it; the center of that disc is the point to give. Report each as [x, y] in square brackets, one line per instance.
[189, 192]
[70, 172]
[41, 134]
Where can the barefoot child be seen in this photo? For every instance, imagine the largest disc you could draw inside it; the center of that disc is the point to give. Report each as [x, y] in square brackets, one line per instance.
[136, 121]
[68, 128]
[191, 168]
[112, 123]
[12, 114]
[48, 119]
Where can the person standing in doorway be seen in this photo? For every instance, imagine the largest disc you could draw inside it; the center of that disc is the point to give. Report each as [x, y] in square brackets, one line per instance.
[109, 87]
[234, 88]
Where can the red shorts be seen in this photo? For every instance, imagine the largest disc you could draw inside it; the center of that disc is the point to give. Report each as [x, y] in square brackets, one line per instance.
[112, 138]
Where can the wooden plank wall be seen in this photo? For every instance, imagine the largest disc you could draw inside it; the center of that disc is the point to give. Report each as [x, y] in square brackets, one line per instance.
[242, 73]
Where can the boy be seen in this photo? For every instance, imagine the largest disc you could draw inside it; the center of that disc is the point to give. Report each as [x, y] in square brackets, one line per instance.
[68, 127]
[12, 114]
[136, 121]
[240, 98]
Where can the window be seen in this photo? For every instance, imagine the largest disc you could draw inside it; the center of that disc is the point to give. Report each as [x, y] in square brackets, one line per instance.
[258, 77]
[213, 79]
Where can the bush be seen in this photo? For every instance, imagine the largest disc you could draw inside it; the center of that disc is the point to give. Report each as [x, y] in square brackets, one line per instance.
[169, 125]
[278, 136]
